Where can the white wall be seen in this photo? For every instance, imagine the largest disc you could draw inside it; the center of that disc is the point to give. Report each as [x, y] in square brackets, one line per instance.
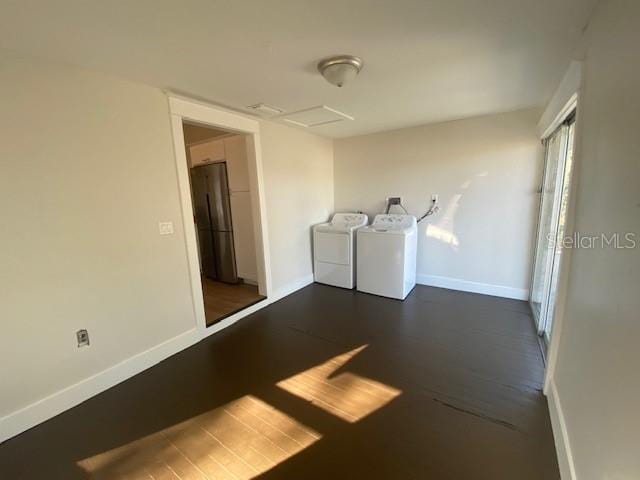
[595, 388]
[87, 172]
[485, 170]
[298, 174]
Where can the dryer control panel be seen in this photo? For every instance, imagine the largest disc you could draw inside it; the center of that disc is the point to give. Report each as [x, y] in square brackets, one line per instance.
[349, 219]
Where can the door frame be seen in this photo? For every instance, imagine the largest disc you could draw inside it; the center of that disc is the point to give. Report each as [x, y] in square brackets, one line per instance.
[184, 109]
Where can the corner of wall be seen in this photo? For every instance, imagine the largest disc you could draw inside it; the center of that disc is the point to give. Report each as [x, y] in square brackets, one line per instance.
[563, 99]
[292, 287]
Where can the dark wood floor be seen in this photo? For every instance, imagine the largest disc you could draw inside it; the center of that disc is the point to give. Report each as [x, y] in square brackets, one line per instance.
[324, 384]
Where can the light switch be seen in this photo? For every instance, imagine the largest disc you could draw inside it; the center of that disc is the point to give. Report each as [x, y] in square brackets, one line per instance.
[166, 228]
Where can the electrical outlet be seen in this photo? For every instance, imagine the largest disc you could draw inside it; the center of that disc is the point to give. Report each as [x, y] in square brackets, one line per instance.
[83, 338]
[394, 201]
[166, 228]
[434, 197]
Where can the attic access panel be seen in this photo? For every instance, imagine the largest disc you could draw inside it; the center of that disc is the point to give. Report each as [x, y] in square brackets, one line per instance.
[315, 116]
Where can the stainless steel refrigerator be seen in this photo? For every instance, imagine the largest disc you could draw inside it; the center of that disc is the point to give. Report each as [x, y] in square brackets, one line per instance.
[212, 211]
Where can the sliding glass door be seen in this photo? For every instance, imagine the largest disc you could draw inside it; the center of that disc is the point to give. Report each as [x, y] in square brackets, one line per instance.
[551, 225]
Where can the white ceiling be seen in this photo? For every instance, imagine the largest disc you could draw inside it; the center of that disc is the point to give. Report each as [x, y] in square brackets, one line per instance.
[425, 60]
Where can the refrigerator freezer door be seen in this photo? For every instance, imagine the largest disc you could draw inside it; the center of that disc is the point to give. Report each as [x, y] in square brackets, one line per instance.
[207, 258]
[203, 221]
[222, 227]
[200, 201]
[218, 188]
[225, 256]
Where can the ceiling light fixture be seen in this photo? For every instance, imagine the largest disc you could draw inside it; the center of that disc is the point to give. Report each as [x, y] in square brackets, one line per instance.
[340, 69]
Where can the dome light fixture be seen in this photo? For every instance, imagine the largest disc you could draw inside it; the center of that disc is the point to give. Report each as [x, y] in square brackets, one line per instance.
[340, 69]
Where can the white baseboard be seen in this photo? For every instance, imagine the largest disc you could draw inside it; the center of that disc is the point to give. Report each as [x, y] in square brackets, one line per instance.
[48, 407]
[58, 402]
[560, 435]
[291, 287]
[474, 287]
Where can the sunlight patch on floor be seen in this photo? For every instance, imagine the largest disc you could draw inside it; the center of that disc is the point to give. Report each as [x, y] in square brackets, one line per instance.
[237, 441]
[346, 395]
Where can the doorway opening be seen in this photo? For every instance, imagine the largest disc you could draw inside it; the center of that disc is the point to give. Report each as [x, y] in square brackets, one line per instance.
[555, 191]
[223, 216]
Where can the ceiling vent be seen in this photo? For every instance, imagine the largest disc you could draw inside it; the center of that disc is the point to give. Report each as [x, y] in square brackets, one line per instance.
[265, 109]
[314, 116]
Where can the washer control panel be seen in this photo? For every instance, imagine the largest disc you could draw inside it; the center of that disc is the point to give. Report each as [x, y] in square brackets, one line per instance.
[393, 222]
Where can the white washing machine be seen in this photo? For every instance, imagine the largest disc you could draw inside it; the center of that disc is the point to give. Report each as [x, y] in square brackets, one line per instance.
[334, 249]
[387, 256]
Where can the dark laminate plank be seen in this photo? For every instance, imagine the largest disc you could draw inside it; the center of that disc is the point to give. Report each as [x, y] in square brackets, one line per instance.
[466, 368]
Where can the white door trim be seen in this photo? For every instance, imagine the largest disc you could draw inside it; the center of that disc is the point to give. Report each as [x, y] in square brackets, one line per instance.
[182, 109]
